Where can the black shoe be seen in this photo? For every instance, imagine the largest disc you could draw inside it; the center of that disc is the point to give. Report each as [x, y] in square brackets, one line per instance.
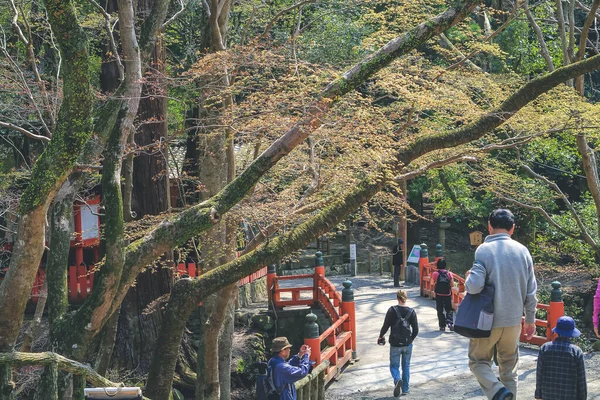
[397, 388]
[503, 394]
[451, 327]
[443, 329]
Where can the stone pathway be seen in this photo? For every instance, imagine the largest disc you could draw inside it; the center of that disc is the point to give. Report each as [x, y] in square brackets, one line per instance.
[439, 365]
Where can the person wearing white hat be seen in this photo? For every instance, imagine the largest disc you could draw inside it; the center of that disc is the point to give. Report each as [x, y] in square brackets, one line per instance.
[560, 367]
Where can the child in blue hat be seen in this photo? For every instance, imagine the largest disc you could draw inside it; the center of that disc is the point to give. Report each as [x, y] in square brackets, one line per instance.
[560, 368]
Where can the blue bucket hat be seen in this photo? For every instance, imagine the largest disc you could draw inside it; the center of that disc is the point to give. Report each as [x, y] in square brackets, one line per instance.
[565, 326]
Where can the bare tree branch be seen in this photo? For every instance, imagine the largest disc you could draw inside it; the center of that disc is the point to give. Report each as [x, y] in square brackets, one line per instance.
[590, 168]
[584, 234]
[111, 37]
[540, 36]
[282, 12]
[25, 132]
[175, 16]
[541, 211]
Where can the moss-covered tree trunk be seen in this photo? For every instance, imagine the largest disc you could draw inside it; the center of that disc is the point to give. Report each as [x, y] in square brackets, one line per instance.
[72, 130]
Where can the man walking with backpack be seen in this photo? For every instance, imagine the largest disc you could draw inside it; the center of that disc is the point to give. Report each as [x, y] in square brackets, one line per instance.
[442, 283]
[403, 321]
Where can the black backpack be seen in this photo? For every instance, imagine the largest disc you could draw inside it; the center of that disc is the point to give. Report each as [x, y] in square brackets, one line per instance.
[401, 331]
[265, 386]
[442, 285]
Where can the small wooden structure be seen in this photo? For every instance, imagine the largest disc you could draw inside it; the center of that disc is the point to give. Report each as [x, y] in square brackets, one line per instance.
[476, 238]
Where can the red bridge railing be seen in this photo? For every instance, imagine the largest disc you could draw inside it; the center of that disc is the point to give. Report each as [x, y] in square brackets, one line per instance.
[337, 344]
[80, 280]
[552, 311]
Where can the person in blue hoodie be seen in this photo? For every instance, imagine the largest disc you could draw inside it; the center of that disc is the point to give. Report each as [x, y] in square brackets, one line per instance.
[285, 373]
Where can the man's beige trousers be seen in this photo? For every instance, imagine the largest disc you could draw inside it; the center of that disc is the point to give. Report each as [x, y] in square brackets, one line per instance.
[481, 354]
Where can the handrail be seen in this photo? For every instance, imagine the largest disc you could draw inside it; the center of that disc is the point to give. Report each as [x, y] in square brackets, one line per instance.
[312, 386]
[554, 310]
[80, 280]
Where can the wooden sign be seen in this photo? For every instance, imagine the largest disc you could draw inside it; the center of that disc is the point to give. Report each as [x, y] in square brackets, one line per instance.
[476, 238]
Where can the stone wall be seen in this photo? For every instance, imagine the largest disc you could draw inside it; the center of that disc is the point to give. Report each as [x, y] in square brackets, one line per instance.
[254, 292]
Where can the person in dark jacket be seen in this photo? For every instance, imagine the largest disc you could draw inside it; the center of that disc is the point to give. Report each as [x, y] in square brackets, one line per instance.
[398, 261]
[285, 373]
[560, 368]
[398, 350]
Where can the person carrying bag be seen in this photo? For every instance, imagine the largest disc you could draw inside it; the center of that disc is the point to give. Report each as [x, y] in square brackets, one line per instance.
[501, 287]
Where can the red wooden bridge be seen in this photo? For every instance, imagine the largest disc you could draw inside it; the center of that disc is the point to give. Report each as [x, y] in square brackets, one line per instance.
[337, 344]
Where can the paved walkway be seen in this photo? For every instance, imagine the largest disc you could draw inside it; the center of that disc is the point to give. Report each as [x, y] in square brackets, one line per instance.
[437, 356]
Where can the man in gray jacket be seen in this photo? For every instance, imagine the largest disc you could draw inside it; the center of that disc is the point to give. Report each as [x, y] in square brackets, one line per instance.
[508, 267]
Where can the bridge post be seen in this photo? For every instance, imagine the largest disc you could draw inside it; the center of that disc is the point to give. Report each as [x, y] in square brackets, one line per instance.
[348, 307]
[423, 260]
[319, 271]
[271, 281]
[311, 337]
[439, 252]
[557, 309]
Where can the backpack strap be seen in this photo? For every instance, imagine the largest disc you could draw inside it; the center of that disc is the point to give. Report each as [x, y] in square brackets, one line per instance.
[399, 315]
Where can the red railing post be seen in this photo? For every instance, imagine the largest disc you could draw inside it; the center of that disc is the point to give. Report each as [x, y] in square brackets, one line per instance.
[271, 277]
[348, 307]
[423, 260]
[319, 271]
[311, 337]
[556, 310]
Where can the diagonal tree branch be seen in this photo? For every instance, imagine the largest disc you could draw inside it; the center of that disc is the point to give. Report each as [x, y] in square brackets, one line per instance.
[590, 167]
[584, 234]
[25, 132]
[544, 213]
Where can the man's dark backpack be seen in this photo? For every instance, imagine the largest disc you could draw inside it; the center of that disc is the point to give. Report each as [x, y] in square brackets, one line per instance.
[265, 386]
[443, 284]
[401, 331]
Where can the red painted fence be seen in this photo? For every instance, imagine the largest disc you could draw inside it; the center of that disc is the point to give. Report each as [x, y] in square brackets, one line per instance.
[80, 280]
[554, 310]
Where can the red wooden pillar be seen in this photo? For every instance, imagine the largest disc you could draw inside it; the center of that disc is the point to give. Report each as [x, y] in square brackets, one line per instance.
[557, 309]
[78, 238]
[271, 285]
[423, 260]
[348, 307]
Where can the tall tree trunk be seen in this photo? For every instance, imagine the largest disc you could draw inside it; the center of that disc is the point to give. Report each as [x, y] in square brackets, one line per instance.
[138, 324]
[149, 166]
[50, 170]
[144, 174]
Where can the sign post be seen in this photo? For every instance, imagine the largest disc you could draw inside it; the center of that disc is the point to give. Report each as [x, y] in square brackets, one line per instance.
[352, 259]
[412, 264]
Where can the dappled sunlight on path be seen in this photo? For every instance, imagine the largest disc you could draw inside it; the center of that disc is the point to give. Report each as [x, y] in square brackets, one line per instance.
[437, 356]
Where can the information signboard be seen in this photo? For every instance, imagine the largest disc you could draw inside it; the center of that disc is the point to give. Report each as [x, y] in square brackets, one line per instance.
[414, 255]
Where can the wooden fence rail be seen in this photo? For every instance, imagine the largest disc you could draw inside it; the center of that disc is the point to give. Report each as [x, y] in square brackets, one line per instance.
[312, 386]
